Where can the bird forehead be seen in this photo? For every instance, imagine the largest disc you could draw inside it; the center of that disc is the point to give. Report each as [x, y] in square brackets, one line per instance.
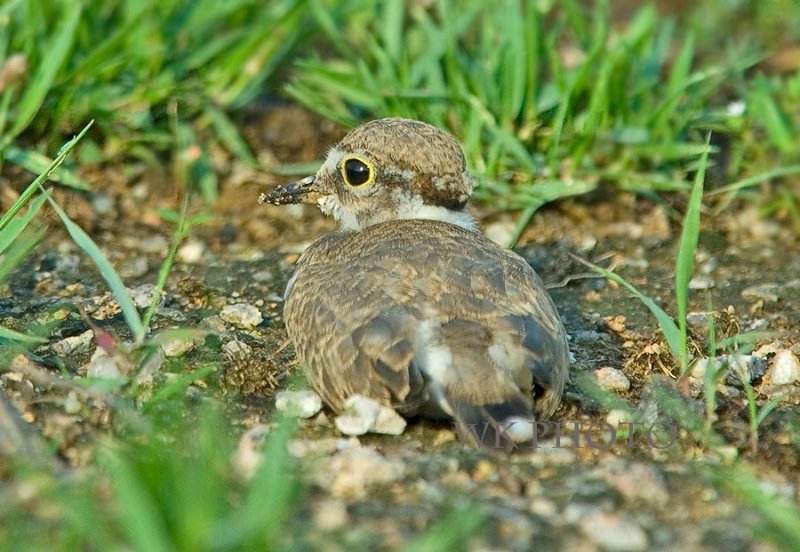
[404, 144]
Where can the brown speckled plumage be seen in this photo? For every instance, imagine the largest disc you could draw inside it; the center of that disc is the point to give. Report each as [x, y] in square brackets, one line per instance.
[426, 316]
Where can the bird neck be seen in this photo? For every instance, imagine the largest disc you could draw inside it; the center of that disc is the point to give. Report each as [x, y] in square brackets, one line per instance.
[460, 218]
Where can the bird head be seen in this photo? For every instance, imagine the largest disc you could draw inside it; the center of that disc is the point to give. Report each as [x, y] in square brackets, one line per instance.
[384, 170]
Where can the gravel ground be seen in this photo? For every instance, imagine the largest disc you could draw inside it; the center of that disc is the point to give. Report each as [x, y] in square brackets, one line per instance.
[645, 489]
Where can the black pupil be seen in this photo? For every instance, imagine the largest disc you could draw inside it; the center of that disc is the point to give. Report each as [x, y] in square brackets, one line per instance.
[356, 171]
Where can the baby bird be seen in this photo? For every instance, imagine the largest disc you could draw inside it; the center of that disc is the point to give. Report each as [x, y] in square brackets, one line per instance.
[408, 303]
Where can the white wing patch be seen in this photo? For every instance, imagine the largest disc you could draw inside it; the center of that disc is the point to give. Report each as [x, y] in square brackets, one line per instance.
[433, 357]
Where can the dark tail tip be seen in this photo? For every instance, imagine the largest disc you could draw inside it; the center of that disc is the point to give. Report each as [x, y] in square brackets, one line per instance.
[499, 426]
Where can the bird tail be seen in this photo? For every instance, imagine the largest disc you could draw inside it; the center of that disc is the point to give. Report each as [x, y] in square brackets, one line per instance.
[499, 426]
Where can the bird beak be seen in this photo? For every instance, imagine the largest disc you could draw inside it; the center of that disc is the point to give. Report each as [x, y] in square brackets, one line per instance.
[302, 191]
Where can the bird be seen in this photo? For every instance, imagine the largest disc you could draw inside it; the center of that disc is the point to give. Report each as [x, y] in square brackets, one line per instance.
[408, 303]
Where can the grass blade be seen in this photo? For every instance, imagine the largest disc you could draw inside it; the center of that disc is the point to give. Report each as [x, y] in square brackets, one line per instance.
[37, 163]
[86, 243]
[684, 267]
[28, 193]
[672, 334]
[15, 227]
[12, 335]
[42, 82]
[110, 275]
[141, 518]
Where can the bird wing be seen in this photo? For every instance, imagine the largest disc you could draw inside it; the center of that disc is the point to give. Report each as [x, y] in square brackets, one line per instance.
[397, 307]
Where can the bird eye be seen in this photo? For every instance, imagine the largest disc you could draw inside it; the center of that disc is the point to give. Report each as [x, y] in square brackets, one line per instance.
[357, 172]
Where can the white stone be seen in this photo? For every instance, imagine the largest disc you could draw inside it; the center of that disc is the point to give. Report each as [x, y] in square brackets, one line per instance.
[242, 315]
[612, 379]
[352, 471]
[153, 244]
[615, 417]
[236, 349]
[142, 296]
[71, 404]
[614, 533]
[73, 343]
[500, 232]
[701, 282]
[176, 346]
[741, 366]
[769, 293]
[249, 454]
[785, 368]
[362, 415]
[191, 252]
[300, 404]
[699, 368]
[389, 422]
[103, 366]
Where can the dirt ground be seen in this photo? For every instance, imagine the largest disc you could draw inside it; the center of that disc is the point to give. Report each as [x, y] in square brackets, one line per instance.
[639, 492]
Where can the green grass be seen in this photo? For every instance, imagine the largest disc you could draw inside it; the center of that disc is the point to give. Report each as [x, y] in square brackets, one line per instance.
[781, 520]
[155, 76]
[550, 101]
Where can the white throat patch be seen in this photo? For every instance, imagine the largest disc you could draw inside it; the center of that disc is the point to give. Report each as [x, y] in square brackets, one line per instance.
[412, 207]
[331, 206]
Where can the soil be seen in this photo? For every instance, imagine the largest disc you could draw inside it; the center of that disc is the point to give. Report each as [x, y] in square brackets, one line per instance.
[639, 492]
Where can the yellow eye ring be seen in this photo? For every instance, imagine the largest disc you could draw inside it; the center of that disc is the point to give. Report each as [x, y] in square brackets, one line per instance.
[357, 172]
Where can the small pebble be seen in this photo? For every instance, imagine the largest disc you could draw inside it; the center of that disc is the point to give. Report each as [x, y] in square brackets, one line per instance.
[769, 349]
[352, 471]
[213, 323]
[152, 365]
[586, 337]
[153, 244]
[745, 368]
[543, 507]
[389, 422]
[142, 296]
[102, 203]
[638, 481]
[177, 346]
[701, 282]
[330, 515]
[242, 315]
[501, 231]
[616, 323]
[616, 417]
[103, 366]
[263, 276]
[362, 415]
[133, 267]
[73, 343]
[785, 368]
[763, 292]
[303, 448]
[757, 325]
[236, 349]
[741, 367]
[613, 532]
[612, 379]
[249, 454]
[191, 252]
[698, 320]
[71, 404]
[300, 404]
